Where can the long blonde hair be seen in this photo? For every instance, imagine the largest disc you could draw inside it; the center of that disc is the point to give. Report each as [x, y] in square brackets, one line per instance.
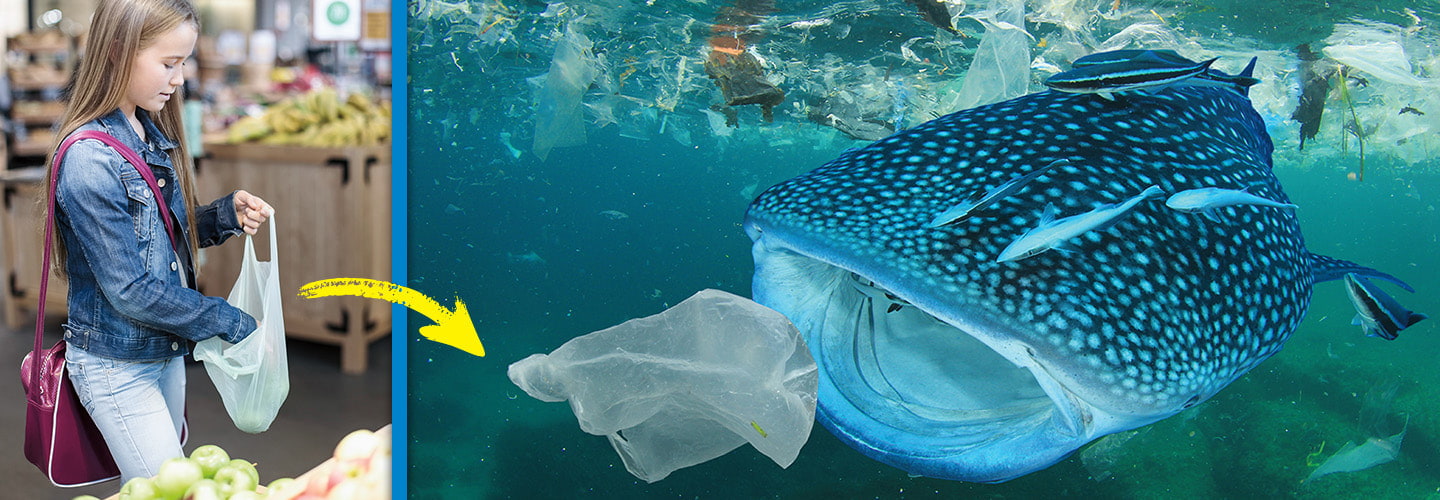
[118, 31]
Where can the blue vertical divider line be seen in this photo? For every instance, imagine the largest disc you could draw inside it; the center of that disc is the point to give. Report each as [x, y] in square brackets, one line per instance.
[399, 173]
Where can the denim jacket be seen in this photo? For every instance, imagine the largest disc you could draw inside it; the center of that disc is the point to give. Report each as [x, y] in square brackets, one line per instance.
[131, 291]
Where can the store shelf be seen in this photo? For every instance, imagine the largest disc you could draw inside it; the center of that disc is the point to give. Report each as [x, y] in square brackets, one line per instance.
[32, 147]
[39, 64]
[45, 83]
[38, 113]
[45, 42]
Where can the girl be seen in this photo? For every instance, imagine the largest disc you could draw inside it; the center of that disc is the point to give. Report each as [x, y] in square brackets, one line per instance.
[134, 312]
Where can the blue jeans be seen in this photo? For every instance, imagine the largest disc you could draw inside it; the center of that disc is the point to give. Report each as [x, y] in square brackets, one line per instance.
[138, 405]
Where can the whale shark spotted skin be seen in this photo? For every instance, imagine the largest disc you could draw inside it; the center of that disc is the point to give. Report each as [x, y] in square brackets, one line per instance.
[977, 370]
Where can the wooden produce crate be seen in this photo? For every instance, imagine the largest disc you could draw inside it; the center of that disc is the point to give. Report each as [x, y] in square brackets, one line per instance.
[333, 213]
[23, 245]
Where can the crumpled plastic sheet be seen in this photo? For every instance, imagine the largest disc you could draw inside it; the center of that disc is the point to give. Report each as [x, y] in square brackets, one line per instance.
[1377, 49]
[1001, 68]
[1353, 458]
[685, 386]
[559, 120]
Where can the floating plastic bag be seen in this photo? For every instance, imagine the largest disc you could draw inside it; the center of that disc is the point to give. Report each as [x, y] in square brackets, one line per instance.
[1352, 458]
[1375, 48]
[686, 385]
[559, 121]
[1001, 68]
[252, 376]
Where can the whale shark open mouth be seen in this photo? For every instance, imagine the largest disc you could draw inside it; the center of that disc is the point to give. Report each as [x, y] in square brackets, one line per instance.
[907, 386]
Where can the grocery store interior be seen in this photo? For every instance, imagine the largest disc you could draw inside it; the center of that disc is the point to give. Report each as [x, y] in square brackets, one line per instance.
[282, 100]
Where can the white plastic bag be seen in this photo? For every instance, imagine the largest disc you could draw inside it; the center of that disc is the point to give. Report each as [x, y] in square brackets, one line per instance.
[253, 376]
[685, 386]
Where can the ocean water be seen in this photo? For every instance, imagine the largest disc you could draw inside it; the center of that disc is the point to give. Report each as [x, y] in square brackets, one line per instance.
[646, 210]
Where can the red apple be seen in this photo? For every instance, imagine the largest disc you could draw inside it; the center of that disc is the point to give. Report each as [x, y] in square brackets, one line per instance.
[358, 444]
[349, 489]
[319, 482]
[285, 488]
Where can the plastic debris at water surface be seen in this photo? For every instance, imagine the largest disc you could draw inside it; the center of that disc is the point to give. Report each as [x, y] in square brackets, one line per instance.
[685, 386]
[1001, 68]
[559, 120]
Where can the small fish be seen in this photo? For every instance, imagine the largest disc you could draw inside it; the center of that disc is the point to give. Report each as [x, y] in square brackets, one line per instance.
[1377, 314]
[1051, 232]
[762, 432]
[614, 215]
[1411, 110]
[1210, 77]
[1147, 71]
[965, 210]
[935, 12]
[1206, 201]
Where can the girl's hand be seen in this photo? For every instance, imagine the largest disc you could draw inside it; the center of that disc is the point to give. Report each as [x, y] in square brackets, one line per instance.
[251, 211]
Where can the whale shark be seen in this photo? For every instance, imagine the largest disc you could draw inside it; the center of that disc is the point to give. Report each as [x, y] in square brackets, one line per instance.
[937, 359]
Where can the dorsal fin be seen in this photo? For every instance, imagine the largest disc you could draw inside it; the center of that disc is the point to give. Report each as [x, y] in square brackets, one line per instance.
[1049, 214]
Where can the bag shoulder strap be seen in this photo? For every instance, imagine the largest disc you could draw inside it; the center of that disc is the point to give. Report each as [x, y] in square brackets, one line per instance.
[140, 165]
[131, 156]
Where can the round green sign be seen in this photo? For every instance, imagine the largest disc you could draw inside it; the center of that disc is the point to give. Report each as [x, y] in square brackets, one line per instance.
[337, 12]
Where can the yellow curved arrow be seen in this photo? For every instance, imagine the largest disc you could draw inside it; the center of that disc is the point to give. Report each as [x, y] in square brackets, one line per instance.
[452, 328]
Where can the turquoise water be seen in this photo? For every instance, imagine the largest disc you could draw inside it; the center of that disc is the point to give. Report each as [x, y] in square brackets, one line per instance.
[648, 210]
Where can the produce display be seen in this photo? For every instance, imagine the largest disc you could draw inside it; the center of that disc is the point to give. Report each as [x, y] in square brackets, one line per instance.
[358, 470]
[317, 118]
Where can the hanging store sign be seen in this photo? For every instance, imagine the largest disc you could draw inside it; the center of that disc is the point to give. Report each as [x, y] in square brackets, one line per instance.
[336, 20]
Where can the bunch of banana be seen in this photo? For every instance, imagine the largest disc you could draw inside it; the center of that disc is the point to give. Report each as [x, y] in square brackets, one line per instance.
[248, 129]
[318, 118]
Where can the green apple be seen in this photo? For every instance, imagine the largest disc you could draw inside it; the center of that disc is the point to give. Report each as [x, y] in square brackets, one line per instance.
[175, 476]
[140, 488]
[246, 495]
[246, 466]
[204, 489]
[234, 478]
[210, 458]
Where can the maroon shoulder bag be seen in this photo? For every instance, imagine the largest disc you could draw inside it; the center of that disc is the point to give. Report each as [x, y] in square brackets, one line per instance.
[60, 437]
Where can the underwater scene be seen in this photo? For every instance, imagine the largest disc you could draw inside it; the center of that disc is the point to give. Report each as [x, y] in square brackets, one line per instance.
[576, 165]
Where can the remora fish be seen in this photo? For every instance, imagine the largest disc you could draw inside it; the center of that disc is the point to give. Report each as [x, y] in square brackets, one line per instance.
[1239, 82]
[1052, 232]
[1378, 314]
[996, 370]
[1010, 187]
[1209, 199]
[1144, 72]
